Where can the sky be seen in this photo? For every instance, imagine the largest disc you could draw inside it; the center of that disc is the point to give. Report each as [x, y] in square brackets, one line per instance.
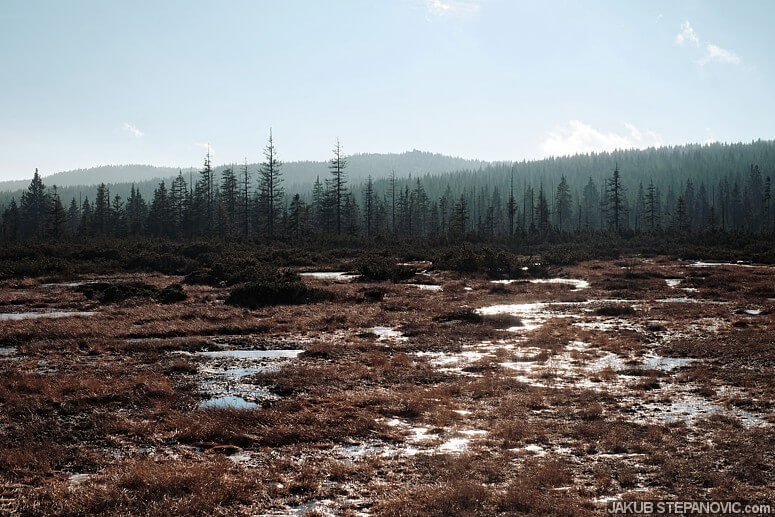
[86, 83]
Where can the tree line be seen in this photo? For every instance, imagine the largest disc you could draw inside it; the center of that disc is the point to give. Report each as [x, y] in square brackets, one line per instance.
[502, 202]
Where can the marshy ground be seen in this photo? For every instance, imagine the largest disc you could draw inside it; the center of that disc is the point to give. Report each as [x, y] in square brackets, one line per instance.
[449, 394]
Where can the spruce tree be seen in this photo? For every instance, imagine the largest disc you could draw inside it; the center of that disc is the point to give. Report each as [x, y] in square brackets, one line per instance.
[615, 201]
[179, 203]
[11, 221]
[339, 180]
[270, 187]
[58, 217]
[368, 206]
[562, 204]
[73, 217]
[34, 209]
[228, 201]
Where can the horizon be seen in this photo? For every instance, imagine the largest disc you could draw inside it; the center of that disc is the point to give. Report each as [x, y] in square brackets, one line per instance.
[44, 174]
[422, 74]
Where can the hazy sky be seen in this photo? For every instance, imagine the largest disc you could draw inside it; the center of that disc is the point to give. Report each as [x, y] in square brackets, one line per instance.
[104, 82]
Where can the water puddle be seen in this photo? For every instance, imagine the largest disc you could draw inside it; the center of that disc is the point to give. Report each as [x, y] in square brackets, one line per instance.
[322, 507]
[455, 445]
[385, 333]
[531, 315]
[426, 287]
[66, 284]
[686, 299]
[453, 362]
[225, 376]
[575, 282]
[227, 402]
[331, 276]
[672, 282]
[18, 316]
[702, 263]
[253, 354]
[665, 364]
[690, 408]
[6, 351]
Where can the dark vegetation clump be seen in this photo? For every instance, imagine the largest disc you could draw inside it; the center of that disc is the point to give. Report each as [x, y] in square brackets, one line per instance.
[503, 320]
[377, 268]
[615, 310]
[469, 258]
[463, 315]
[173, 293]
[281, 290]
[374, 294]
[115, 292]
[202, 277]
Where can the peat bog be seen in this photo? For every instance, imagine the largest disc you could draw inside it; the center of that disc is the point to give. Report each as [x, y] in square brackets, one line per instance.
[642, 378]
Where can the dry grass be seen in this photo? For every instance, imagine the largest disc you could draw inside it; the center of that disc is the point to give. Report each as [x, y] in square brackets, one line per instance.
[150, 487]
[83, 397]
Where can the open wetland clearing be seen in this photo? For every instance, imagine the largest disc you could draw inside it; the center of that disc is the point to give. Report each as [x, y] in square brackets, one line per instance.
[549, 395]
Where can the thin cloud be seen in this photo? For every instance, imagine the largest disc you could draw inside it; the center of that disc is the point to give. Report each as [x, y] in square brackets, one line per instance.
[713, 53]
[687, 34]
[453, 7]
[716, 54]
[581, 138]
[205, 147]
[132, 129]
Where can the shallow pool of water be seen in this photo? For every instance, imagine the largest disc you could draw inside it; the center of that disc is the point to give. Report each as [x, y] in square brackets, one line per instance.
[383, 333]
[253, 354]
[237, 373]
[702, 263]
[426, 287]
[656, 362]
[575, 282]
[331, 276]
[227, 402]
[17, 316]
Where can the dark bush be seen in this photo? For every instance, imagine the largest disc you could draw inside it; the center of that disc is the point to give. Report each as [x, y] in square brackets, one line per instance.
[202, 277]
[495, 262]
[173, 293]
[374, 294]
[615, 310]
[378, 269]
[463, 315]
[254, 295]
[107, 292]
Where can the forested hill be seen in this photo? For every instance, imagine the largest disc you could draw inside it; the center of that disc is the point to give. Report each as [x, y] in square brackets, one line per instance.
[693, 188]
[358, 165]
[668, 167]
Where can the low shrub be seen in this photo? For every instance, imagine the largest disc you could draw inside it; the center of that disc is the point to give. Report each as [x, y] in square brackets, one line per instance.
[202, 277]
[108, 292]
[173, 293]
[377, 268]
[463, 315]
[254, 295]
[615, 310]
[374, 294]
